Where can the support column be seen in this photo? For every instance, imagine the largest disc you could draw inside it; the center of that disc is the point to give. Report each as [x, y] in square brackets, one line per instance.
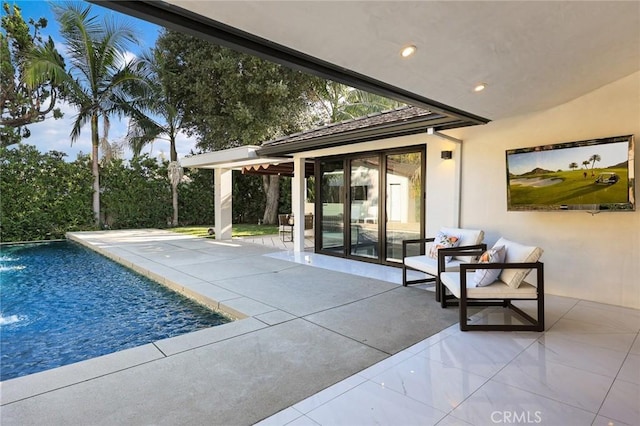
[223, 190]
[298, 189]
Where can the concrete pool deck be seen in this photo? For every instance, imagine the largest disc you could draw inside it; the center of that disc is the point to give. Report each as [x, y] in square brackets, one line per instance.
[300, 329]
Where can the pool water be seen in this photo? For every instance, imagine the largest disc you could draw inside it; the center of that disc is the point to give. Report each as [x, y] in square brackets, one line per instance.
[61, 303]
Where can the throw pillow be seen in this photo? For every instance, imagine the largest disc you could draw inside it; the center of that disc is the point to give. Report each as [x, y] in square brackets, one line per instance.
[443, 240]
[484, 277]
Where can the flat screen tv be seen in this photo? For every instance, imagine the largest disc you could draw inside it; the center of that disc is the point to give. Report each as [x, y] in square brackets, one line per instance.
[593, 175]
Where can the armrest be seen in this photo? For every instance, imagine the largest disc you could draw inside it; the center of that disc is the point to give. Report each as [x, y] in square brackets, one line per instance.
[423, 241]
[465, 267]
[472, 250]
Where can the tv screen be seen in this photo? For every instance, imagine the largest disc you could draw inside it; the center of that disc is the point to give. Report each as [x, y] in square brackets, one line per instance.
[593, 175]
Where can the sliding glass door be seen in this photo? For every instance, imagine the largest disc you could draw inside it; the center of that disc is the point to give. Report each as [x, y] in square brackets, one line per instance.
[331, 199]
[404, 202]
[382, 205]
[365, 190]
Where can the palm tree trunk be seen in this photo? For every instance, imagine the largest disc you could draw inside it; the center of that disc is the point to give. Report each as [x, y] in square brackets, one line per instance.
[174, 188]
[95, 169]
[174, 194]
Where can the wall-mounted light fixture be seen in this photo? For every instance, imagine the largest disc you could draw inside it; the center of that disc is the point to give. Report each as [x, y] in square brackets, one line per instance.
[446, 155]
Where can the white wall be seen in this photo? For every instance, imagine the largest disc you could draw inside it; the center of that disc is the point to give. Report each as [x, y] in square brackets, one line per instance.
[589, 257]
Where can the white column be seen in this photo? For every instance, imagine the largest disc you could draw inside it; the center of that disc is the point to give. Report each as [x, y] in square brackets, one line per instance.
[297, 203]
[223, 190]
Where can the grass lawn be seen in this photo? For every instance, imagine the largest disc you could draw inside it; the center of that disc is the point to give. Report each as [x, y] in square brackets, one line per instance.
[572, 188]
[237, 230]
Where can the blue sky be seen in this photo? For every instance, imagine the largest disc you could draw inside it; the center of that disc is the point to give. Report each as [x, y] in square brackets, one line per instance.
[54, 134]
[559, 159]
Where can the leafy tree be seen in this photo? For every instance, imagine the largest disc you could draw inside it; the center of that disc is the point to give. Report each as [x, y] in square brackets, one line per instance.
[337, 102]
[157, 115]
[585, 164]
[99, 76]
[25, 100]
[573, 166]
[232, 99]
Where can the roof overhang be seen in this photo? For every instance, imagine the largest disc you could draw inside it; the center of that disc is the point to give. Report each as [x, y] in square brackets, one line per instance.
[232, 158]
[188, 22]
[531, 55]
[344, 134]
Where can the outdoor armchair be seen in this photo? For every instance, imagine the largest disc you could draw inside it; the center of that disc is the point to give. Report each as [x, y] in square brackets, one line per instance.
[285, 226]
[497, 280]
[422, 254]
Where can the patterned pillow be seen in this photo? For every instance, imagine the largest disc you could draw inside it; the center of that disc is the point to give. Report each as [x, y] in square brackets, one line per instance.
[443, 240]
[484, 277]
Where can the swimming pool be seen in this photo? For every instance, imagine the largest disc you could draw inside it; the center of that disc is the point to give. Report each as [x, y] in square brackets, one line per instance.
[62, 303]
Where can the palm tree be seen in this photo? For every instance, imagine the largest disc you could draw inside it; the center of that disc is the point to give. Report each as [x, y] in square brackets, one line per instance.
[593, 159]
[97, 80]
[156, 115]
[585, 164]
[573, 165]
[339, 102]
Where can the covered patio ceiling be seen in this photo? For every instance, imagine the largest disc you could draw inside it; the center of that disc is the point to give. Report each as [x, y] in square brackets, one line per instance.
[531, 55]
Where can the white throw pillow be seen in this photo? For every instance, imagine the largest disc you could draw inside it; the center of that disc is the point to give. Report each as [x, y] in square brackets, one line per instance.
[517, 253]
[484, 277]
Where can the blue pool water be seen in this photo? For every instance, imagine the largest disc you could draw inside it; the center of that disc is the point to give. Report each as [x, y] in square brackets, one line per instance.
[61, 303]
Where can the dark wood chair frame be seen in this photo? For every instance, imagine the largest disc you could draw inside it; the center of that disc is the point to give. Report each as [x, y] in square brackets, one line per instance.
[441, 262]
[285, 226]
[465, 302]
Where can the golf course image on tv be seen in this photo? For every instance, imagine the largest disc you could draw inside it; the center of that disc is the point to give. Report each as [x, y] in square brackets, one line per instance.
[594, 175]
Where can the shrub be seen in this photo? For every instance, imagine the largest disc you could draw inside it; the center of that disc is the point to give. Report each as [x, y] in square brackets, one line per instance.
[41, 195]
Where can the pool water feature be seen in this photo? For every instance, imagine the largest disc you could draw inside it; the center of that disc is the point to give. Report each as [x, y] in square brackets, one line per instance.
[62, 303]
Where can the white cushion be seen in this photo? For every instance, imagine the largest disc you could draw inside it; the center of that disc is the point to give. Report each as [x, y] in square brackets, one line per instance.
[484, 277]
[517, 253]
[426, 264]
[468, 237]
[496, 290]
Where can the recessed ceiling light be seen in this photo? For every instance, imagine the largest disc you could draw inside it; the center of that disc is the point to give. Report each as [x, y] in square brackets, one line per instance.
[480, 87]
[408, 51]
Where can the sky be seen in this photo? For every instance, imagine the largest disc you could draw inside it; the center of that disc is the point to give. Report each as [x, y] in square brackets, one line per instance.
[53, 134]
[559, 159]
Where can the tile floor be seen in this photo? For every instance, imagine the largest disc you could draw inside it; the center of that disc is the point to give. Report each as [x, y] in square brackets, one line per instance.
[583, 370]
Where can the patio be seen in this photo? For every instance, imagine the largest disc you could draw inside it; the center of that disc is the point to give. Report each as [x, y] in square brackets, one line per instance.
[322, 344]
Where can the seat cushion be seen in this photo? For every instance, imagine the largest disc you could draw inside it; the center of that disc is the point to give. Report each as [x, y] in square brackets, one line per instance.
[426, 264]
[516, 253]
[468, 237]
[496, 290]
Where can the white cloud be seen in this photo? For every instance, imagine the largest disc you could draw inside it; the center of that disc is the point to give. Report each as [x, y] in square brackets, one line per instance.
[52, 134]
[160, 147]
[126, 57]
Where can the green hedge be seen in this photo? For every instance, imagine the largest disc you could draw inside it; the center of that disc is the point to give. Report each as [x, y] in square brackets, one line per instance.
[135, 195]
[43, 196]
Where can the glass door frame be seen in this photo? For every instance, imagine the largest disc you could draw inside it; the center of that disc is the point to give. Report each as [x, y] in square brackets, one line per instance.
[382, 201]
